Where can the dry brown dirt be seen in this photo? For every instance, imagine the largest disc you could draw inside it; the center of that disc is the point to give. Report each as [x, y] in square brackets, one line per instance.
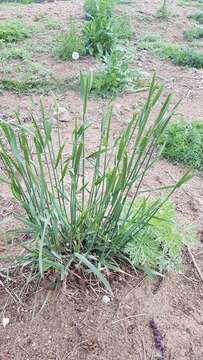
[74, 323]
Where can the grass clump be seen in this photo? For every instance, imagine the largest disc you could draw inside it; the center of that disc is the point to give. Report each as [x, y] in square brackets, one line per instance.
[183, 143]
[197, 17]
[75, 218]
[195, 32]
[177, 54]
[13, 30]
[69, 42]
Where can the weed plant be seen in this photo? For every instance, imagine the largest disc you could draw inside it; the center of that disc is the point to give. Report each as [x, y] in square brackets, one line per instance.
[69, 42]
[184, 56]
[75, 218]
[158, 246]
[183, 143]
[95, 8]
[52, 24]
[179, 55]
[99, 36]
[102, 33]
[197, 3]
[163, 12]
[28, 77]
[13, 53]
[197, 17]
[103, 37]
[26, 85]
[26, 2]
[115, 74]
[13, 30]
[122, 27]
[195, 32]
[34, 84]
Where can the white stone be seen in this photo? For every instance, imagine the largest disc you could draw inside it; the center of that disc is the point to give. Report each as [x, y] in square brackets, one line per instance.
[106, 299]
[5, 321]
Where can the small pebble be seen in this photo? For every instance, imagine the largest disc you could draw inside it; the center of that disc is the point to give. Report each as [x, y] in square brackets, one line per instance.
[106, 299]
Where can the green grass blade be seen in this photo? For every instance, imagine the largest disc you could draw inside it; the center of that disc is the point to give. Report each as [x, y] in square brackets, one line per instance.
[94, 270]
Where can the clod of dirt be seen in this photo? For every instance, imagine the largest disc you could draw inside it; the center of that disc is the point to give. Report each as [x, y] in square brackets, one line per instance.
[3, 117]
[158, 340]
[201, 236]
[62, 115]
[157, 285]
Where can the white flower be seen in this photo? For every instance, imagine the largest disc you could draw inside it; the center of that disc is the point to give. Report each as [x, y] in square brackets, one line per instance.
[75, 55]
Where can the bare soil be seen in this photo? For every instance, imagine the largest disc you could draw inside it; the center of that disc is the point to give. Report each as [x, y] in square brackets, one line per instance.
[74, 322]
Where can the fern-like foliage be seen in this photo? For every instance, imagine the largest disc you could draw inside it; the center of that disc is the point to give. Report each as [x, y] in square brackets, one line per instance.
[158, 245]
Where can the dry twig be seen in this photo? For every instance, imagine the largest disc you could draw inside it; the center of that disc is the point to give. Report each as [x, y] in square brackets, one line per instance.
[14, 296]
[195, 263]
[127, 318]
